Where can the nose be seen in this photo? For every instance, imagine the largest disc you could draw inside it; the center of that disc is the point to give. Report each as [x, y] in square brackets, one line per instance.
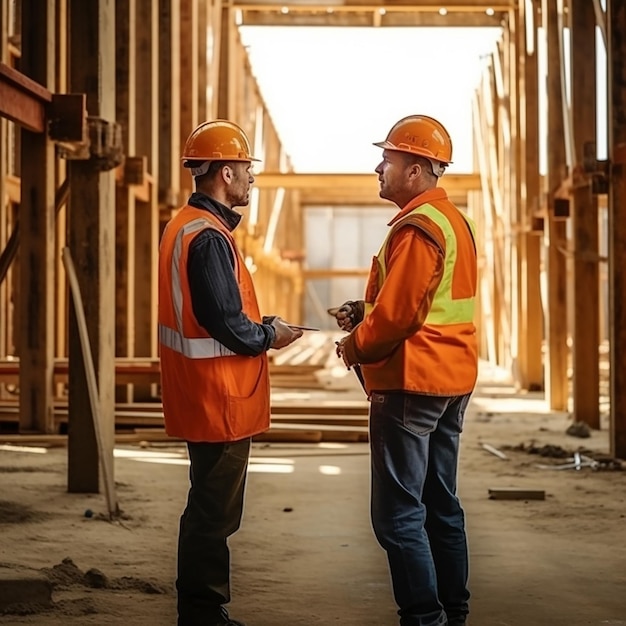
[379, 168]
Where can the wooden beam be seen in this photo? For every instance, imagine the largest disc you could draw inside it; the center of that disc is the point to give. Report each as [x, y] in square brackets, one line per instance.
[91, 239]
[169, 118]
[557, 318]
[37, 232]
[617, 224]
[22, 99]
[227, 81]
[317, 273]
[586, 309]
[365, 17]
[147, 211]
[203, 57]
[350, 6]
[188, 83]
[353, 182]
[531, 374]
[354, 189]
[125, 219]
[5, 200]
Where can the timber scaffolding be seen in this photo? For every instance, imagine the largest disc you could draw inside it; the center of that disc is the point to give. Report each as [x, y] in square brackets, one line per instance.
[97, 97]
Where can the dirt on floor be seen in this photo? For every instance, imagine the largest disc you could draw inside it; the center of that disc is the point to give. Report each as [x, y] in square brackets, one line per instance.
[305, 554]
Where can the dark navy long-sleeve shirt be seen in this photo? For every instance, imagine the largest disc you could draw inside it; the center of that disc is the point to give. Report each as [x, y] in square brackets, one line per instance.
[215, 295]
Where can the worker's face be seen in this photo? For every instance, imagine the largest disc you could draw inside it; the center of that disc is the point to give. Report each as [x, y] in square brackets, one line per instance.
[241, 181]
[393, 177]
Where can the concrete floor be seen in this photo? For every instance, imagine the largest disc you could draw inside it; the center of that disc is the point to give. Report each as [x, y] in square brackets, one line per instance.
[306, 555]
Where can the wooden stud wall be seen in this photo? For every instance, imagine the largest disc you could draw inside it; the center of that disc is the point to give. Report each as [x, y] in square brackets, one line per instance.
[532, 228]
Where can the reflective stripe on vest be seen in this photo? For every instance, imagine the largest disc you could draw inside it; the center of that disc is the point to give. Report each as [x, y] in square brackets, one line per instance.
[444, 309]
[174, 339]
[201, 348]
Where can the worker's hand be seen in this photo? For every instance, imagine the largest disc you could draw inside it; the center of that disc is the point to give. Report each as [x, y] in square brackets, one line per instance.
[349, 314]
[285, 334]
[341, 352]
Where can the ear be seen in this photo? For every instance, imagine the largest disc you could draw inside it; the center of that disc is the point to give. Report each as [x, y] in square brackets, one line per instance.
[415, 171]
[227, 174]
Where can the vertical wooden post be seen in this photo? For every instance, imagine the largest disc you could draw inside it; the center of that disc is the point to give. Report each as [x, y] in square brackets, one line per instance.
[188, 83]
[4, 200]
[512, 86]
[62, 296]
[214, 57]
[169, 97]
[226, 104]
[529, 161]
[92, 244]
[126, 116]
[586, 312]
[37, 214]
[557, 319]
[203, 34]
[147, 211]
[616, 15]
[529, 374]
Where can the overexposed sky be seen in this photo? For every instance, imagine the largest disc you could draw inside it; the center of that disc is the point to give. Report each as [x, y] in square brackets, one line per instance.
[333, 91]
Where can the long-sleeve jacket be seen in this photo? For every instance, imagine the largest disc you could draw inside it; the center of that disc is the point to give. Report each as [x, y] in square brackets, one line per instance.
[213, 285]
[418, 333]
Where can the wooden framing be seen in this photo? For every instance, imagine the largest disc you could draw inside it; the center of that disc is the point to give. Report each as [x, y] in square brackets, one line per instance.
[362, 13]
[556, 318]
[617, 226]
[36, 232]
[179, 63]
[584, 211]
[91, 240]
[529, 370]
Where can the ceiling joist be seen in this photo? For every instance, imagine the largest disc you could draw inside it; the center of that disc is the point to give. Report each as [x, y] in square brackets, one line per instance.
[392, 13]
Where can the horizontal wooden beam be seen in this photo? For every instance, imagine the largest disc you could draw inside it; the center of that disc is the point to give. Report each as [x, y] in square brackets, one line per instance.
[22, 100]
[366, 18]
[365, 13]
[304, 182]
[408, 6]
[311, 274]
[355, 189]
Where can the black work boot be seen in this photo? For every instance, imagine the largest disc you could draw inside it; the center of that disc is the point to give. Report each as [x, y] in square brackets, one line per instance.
[224, 620]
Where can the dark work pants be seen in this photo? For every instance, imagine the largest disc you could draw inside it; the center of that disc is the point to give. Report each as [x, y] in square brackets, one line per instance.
[214, 509]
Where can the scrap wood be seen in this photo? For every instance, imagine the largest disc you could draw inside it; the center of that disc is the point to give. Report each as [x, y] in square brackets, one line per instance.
[494, 451]
[577, 462]
[513, 493]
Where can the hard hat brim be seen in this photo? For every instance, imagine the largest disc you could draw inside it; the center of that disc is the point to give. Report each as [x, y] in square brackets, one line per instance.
[387, 145]
[220, 158]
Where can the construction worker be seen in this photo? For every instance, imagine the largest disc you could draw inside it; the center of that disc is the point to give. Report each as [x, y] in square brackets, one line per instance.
[214, 367]
[414, 341]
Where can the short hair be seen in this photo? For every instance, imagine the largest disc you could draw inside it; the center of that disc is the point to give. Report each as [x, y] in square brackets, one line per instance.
[425, 163]
[211, 170]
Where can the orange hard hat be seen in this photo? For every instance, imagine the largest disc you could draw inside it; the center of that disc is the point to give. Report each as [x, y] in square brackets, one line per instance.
[217, 140]
[420, 134]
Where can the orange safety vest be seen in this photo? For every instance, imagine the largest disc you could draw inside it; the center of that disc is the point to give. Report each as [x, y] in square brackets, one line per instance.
[441, 358]
[209, 393]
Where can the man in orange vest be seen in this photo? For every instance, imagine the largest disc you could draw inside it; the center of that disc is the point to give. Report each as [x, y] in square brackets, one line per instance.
[414, 340]
[214, 368]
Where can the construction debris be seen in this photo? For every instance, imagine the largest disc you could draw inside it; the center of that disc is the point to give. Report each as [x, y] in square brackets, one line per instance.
[494, 451]
[513, 493]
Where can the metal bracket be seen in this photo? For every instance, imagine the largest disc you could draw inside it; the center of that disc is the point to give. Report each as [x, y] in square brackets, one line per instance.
[597, 169]
[103, 147]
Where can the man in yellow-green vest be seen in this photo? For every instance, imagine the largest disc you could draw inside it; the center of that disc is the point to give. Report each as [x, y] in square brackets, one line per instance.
[414, 340]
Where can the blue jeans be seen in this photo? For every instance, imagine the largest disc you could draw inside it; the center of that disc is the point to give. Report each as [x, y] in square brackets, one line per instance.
[416, 514]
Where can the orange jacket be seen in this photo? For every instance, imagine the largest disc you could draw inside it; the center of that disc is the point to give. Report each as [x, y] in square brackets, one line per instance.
[418, 335]
[209, 393]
